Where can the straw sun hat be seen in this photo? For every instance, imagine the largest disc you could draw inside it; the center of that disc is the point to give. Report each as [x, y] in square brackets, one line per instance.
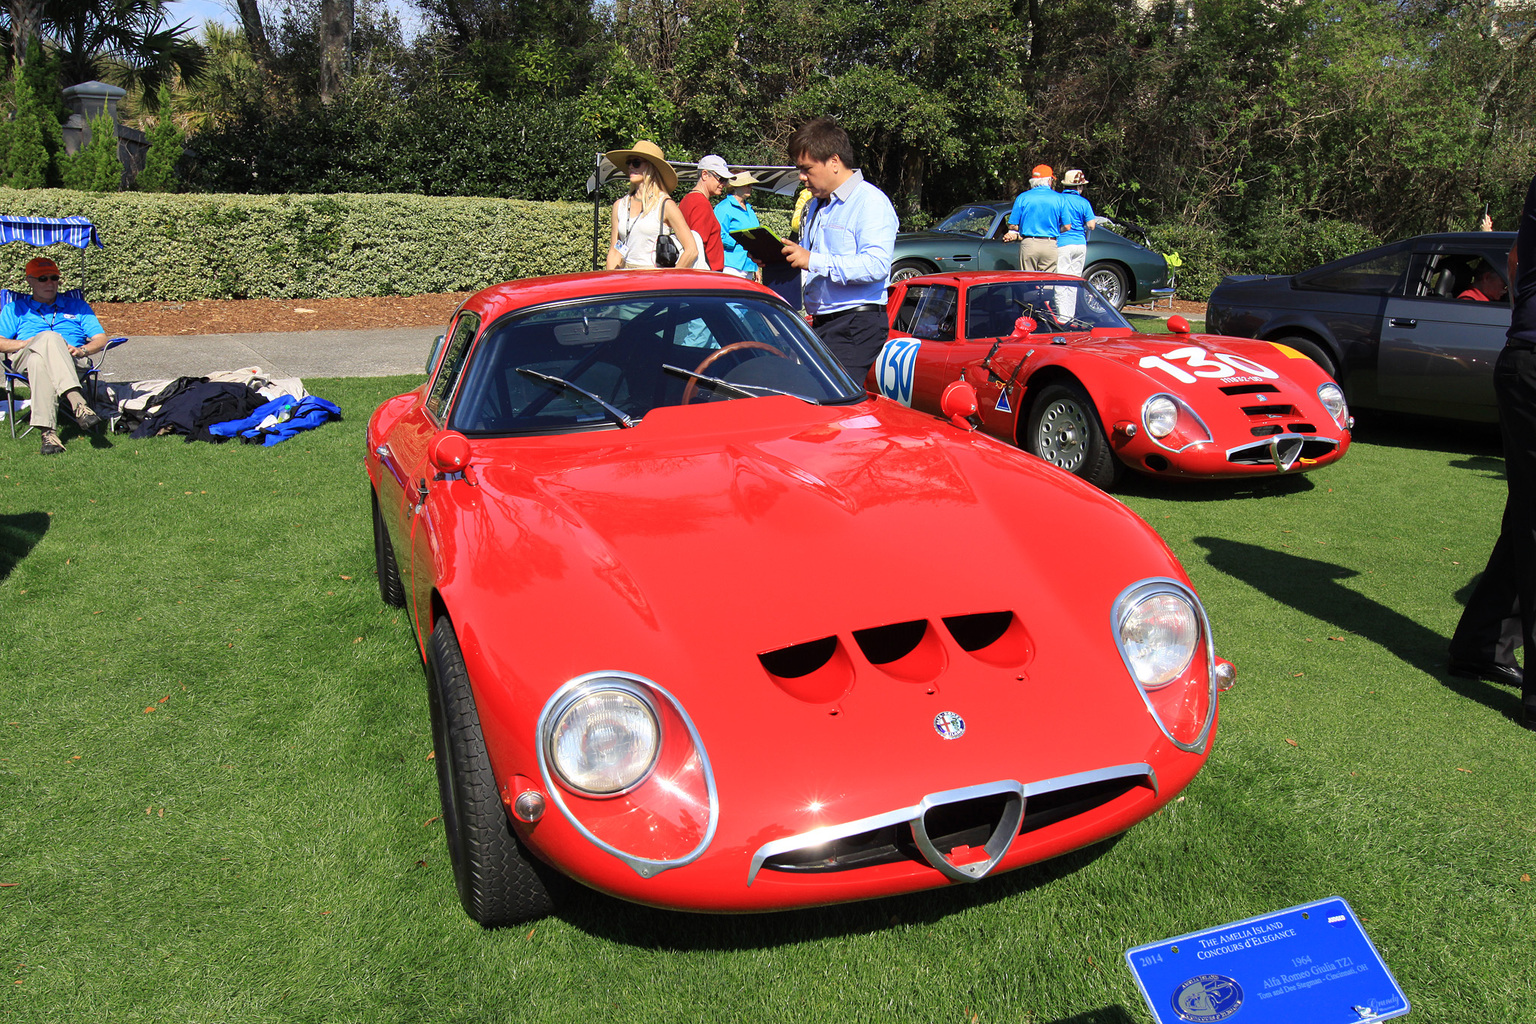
[651, 153]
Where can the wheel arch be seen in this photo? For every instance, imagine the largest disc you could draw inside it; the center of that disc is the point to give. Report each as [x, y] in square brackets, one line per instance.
[1038, 382]
[1317, 338]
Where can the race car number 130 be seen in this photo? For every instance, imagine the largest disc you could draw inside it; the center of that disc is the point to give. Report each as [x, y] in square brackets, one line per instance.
[1203, 364]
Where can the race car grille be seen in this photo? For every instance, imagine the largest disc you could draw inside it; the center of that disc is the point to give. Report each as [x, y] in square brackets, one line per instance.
[1282, 450]
[959, 830]
[1269, 411]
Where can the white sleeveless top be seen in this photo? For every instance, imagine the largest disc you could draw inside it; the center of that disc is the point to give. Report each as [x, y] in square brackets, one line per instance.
[637, 237]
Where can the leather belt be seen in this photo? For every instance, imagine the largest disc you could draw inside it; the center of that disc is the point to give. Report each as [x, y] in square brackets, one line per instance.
[817, 319]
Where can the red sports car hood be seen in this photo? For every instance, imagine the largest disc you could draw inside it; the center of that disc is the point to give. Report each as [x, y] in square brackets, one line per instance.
[1133, 350]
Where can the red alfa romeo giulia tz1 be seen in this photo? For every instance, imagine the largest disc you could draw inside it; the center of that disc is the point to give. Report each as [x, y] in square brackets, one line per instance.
[708, 627]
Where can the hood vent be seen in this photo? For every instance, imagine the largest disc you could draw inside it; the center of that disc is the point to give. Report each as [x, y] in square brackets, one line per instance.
[1250, 389]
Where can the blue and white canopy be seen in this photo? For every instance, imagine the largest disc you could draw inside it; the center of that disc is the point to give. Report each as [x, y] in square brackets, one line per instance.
[75, 231]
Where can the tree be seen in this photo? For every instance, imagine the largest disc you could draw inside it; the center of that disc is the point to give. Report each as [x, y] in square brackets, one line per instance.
[165, 147]
[96, 166]
[335, 46]
[35, 137]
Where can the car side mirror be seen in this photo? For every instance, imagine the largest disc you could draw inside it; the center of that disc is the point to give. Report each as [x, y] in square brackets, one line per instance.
[437, 346]
[1178, 325]
[448, 452]
[959, 403]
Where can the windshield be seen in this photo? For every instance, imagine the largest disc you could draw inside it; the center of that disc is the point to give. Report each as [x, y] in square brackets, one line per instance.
[1055, 306]
[606, 363]
[969, 220]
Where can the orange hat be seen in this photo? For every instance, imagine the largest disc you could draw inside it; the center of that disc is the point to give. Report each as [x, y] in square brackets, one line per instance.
[1042, 171]
[40, 266]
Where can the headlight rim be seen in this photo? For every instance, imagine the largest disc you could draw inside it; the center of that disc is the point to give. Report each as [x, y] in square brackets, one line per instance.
[1342, 416]
[592, 683]
[1119, 608]
[1146, 415]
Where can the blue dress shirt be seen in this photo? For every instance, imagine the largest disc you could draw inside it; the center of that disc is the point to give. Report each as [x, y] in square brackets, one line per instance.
[734, 215]
[851, 236]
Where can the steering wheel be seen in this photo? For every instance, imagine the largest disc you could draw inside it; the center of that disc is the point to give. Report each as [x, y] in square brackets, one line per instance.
[693, 382]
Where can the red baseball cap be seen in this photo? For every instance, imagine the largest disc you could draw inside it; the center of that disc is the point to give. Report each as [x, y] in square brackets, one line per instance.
[1042, 171]
[40, 266]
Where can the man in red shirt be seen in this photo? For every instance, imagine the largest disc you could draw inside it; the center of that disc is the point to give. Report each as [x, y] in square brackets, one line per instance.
[698, 207]
[1487, 286]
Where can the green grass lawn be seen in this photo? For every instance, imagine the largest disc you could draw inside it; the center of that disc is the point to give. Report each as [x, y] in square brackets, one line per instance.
[216, 802]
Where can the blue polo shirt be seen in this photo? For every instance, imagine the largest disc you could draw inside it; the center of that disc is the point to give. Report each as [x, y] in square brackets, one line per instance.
[1076, 212]
[25, 317]
[734, 215]
[1037, 213]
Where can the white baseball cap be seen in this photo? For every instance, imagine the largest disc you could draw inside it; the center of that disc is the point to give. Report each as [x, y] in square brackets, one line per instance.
[715, 165]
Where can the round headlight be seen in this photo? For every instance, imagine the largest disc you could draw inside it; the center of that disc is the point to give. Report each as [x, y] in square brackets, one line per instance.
[604, 741]
[1160, 415]
[1159, 635]
[1332, 397]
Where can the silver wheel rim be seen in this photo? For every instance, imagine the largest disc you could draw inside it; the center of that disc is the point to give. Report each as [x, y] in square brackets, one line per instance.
[1107, 284]
[1062, 435]
[904, 273]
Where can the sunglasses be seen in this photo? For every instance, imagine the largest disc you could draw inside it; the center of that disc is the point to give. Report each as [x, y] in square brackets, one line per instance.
[635, 163]
[46, 277]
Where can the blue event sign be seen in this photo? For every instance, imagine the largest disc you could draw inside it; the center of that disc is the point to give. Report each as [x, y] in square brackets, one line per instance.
[1309, 963]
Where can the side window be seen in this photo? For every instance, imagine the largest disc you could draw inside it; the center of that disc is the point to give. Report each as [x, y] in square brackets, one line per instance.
[928, 312]
[1448, 275]
[452, 363]
[1373, 274]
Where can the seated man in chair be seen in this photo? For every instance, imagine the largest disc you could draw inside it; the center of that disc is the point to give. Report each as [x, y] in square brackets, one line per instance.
[48, 338]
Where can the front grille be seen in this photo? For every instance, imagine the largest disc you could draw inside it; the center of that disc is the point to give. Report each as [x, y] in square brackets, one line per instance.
[961, 823]
[1275, 411]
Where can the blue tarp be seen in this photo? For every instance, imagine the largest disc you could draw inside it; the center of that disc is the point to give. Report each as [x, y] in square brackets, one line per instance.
[75, 231]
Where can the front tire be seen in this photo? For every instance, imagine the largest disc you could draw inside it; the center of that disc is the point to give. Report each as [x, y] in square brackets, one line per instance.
[1313, 351]
[1110, 281]
[390, 587]
[1063, 429]
[499, 882]
[903, 269]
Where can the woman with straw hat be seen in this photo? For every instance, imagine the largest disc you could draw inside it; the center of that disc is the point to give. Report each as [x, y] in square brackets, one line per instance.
[638, 217]
[735, 213]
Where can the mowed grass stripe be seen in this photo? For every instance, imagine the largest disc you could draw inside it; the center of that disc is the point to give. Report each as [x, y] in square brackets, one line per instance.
[262, 845]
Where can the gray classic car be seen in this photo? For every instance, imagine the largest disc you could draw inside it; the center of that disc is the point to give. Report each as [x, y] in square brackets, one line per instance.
[970, 238]
[1388, 323]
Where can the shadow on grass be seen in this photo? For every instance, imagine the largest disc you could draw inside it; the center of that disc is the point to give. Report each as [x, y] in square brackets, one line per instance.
[19, 534]
[647, 927]
[1103, 1015]
[1312, 586]
[1426, 433]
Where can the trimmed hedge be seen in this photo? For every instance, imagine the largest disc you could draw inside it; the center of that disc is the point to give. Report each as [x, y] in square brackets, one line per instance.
[184, 247]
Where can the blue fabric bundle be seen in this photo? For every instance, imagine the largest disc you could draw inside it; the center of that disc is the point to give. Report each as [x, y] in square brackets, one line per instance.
[279, 420]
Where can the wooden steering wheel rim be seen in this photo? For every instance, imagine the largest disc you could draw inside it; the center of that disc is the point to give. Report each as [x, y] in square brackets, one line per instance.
[693, 382]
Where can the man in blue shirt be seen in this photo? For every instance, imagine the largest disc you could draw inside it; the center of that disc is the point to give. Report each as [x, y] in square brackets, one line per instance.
[1035, 221]
[1072, 244]
[1501, 613]
[48, 338]
[849, 233]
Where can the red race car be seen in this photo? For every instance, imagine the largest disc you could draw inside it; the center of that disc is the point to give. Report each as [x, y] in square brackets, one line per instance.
[1063, 375]
[691, 638]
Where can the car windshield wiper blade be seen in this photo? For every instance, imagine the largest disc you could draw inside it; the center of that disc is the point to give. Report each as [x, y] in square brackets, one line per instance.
[740, 389]
[618, 415]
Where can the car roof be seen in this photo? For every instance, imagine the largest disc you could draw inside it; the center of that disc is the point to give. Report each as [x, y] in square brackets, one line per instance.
[539, 291]
[969, 277]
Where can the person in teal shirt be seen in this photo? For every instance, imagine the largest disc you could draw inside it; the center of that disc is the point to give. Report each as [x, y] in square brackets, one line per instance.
[735, 213]
[48, 337]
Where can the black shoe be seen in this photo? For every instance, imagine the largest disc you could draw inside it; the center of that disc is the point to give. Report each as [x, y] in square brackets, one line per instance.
[87, 418]
[1528, 717]
[1509, 675]
[51, 443]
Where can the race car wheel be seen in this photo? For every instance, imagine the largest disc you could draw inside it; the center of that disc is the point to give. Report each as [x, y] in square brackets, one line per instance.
[499, 881]
[390, 587]
[1110, 281]
[903, 269]
[1313, 351]
[1063, 429]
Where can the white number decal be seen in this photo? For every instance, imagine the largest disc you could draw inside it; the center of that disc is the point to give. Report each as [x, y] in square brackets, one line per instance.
[1205, 365]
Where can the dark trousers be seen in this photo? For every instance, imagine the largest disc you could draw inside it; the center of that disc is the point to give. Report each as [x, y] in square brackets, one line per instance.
[855, 340]
[1501, 613]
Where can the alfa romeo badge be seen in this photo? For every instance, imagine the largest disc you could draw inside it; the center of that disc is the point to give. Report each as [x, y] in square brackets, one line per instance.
[949, 725]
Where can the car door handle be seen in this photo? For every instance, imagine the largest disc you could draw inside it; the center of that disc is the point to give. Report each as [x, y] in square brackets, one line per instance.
[421, 498]
[1401, 321]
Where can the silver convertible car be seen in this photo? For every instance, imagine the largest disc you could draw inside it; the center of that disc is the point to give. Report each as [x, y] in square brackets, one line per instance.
[1387, 323]
[970, 238]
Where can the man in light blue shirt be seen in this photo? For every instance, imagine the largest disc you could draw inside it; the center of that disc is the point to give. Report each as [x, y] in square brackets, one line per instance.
[1035, 221]
[849, 233]
[48, 337]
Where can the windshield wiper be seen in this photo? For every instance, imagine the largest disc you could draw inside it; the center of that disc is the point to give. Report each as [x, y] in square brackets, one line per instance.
[616, 414]
[740, 389]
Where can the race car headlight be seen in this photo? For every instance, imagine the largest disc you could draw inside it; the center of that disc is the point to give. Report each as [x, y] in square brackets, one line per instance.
[1159, 634]
[604, 739]
[1160, 416]
[1332, 397]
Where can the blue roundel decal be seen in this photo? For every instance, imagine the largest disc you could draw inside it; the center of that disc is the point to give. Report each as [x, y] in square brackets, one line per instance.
[894, 368]
[1207, 997]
